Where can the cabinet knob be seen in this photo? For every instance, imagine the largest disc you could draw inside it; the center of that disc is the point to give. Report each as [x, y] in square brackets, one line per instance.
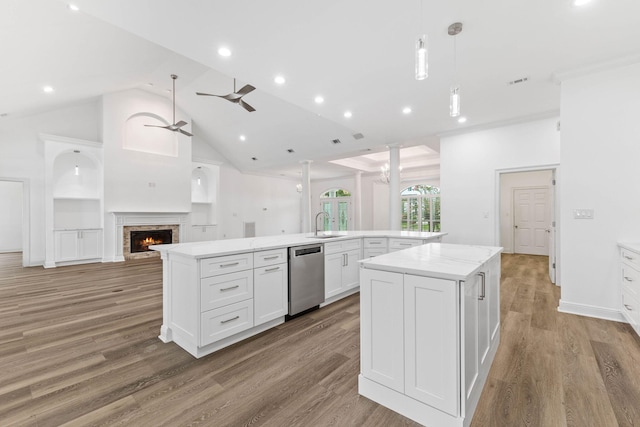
[628, 279]
[628, 307]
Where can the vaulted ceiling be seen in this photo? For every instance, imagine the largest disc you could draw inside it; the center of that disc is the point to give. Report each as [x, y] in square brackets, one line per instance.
[358, 55]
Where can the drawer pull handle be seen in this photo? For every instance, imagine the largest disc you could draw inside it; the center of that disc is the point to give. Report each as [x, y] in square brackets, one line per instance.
[484, 284]
[628, 307]
[271, 257]
[405, 244]
[628, 279]
[375, 243]
[229, 288]
[230, 320]
[272, 269]
[628, 257]
[229, 265]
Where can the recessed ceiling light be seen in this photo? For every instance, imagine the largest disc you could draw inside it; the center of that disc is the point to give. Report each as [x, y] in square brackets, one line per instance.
[462, 119]
[47, 89]
[279, 80]
[73, 7]
[347, 114]
[243, 138]
[406, 110]
[224, 51]
[319, 99]
[580, 2]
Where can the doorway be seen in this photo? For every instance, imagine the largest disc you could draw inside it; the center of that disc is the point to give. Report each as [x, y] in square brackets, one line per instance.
[336, 203]
[527, 213]
[14, 217]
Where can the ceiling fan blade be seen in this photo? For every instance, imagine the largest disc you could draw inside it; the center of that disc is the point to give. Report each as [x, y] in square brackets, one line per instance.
[246, 106]
[184, 132]
[245, 90]
[180, 124]
[157, 126]
[205, 94]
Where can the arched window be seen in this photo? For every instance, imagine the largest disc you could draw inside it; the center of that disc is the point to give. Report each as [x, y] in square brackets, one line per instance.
[421, 208]
[336, 202]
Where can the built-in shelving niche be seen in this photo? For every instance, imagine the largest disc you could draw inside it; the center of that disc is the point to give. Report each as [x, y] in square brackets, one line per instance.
[204, 190]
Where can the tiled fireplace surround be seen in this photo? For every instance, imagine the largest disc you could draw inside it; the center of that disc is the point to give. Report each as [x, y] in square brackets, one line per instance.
[125, 222]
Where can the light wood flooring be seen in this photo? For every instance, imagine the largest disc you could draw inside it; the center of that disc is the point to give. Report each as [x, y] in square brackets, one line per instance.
[79, 346]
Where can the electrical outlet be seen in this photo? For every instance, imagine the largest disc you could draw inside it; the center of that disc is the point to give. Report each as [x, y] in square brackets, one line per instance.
[583, 213]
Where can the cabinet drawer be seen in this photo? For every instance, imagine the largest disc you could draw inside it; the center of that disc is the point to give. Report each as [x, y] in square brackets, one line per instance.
[225, 321]
[631, 309]
[631, 280]
[631, 258]
[396, 244]
[370, 242]
[342, 246]
[264, 258]
[218, 291]
[371, 252]
[225, 264]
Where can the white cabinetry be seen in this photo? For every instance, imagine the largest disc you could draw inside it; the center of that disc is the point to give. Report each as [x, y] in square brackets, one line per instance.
[397, 244]
[270, 285]
[341, 266]
[427, 343]
[630, 265]
[77, 245]
[374, 246]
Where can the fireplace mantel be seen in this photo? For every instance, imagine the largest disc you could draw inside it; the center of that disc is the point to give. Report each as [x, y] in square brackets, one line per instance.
[122, 219]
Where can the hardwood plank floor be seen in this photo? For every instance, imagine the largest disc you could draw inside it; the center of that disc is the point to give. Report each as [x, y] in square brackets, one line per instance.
[79, 347]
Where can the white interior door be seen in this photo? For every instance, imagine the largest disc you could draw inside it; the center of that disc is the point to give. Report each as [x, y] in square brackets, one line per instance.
[531, 221]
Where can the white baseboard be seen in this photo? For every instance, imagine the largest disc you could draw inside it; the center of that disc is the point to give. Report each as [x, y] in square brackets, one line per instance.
[591, 311]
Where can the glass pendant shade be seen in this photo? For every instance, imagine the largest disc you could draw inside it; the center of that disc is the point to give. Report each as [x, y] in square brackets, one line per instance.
[454, 101]
[77, 171]
[422, 58]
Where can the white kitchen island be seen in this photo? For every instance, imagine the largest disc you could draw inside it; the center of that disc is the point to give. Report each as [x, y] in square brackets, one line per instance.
[430, 328]
[220, 292]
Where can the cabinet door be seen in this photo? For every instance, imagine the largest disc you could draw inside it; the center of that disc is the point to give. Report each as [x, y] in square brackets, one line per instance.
[90, 244]
[66, 245]
[484, 301]
[381, 328]
[333, 274]
[493, 291]
[470, 365]
[270, 293]
[351, 270]
[431, 342]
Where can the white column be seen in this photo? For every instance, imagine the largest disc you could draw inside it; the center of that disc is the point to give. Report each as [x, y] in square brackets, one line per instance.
[394, 187]
[357, 217]
[306, 196]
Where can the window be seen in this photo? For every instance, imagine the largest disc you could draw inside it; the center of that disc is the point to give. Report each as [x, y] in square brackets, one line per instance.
[337, 204]
[421, 208]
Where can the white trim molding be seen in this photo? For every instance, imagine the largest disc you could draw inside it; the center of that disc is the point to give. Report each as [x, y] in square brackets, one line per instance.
[591, 311]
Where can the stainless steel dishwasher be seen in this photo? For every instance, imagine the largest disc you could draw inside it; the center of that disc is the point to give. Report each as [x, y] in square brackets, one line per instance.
[306, 277]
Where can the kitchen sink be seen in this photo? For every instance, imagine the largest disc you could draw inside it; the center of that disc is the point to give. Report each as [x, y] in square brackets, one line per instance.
[324, 236]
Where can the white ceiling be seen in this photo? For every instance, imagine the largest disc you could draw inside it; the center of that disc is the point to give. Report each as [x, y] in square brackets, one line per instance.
[358, 54]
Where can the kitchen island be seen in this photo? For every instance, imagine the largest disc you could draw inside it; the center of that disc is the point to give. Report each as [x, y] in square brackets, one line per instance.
[429, 330]
[220, 292]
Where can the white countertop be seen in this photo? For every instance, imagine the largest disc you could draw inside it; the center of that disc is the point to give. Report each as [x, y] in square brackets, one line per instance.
[441, 260]
[232, 246]
[632, 246]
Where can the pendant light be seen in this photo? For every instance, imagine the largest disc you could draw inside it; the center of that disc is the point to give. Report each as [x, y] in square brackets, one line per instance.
[422, 56]
[454, 91]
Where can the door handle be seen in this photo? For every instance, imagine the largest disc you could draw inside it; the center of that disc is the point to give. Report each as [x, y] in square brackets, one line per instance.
[515, 226]
[483, 288]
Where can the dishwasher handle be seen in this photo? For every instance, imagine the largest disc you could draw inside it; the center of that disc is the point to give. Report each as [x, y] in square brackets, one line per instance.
[306, 250]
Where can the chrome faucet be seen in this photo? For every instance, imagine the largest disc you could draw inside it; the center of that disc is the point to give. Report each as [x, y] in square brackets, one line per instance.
[318, 214]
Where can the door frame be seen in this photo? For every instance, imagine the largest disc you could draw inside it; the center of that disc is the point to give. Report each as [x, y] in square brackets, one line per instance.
[336, 201]
[554, 198]
[26, 215]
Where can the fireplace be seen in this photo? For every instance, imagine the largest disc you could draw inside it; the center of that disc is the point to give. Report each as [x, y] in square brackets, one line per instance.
[142, 239]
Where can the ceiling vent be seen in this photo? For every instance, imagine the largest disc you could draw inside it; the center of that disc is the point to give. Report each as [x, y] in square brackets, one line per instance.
[254, 158]
[518, 81]
[290, 150]
[336, 141]
[358, 135]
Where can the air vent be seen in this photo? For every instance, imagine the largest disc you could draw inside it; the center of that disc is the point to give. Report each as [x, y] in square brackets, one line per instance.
[366, 149]
[290, 150]
[518, 81]
[4, 114]
[254, 158]
[358, 136]
[336, 141]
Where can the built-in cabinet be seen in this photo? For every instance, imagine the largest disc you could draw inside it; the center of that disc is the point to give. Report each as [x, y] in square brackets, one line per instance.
[205, 179]
[341, 270]
[427, 343]
[270, 276]
[374, 246]
[77, 245]
[630, 267]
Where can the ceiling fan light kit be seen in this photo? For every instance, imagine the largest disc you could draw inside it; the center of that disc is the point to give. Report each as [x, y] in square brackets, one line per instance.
[235, 96]
[175, 127]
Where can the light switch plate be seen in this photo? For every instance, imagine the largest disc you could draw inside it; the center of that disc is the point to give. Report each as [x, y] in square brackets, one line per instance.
[583, 213]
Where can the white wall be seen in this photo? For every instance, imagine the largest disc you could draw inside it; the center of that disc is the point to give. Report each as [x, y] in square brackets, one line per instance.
[10, 216]
[468, 165]
[272, 203]
[22, 156]
[508, 182]
[600, 164]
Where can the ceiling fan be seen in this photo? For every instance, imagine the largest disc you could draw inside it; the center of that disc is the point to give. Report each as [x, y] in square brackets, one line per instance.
[175, 127]
[236, 97]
